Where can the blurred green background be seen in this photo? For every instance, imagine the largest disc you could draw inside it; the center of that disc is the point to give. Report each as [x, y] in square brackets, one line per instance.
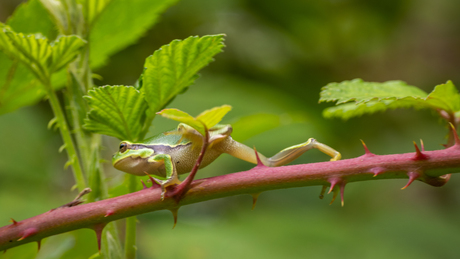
[278, 56]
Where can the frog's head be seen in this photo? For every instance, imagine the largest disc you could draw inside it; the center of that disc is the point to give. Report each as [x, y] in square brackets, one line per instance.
[133, 158]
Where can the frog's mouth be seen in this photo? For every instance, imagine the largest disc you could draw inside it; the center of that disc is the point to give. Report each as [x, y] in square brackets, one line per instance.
[140, 166]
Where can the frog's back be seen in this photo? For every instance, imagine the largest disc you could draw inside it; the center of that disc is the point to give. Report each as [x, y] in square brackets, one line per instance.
[166, 139]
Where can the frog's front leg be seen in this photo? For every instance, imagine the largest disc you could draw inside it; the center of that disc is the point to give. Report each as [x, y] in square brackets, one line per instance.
[283, 157]
[171, 175]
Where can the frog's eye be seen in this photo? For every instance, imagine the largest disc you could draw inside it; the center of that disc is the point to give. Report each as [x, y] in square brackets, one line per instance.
[123, 147]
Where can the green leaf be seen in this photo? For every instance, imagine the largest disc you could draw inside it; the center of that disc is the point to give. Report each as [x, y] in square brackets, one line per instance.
[33, 50]
[173, 67]
[121, 24]
[92, 9]
[445, 97]
[117, 111]
[208, 118]
[359, 91]
[355, 98]
[31, 17]
[65, 49]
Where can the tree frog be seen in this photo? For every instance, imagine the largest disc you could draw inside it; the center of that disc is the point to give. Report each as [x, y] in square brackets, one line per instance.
[172, 153]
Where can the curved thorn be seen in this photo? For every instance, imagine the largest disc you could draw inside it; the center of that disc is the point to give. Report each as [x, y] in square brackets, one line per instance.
[259, 162]
[255, 196]
[334, 196]
[144, 186]
[377, 170]
[454, 133]
[174, 213]
[152, 180]
[98, 229]
[28, 232]
[39, 243]
[342, 190]
[323, 191]
[109, 212]
[412, 177]
[333, 182]
[421, 144]
[418, 154]
[366, 150]
[14, 221]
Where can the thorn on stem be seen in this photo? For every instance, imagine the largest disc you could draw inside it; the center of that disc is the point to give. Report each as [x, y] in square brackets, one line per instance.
[39, 244]
[109, 212]
[98, 229]
[259, 162]
[323, 191]
[15, 223]
[144, 186]
[28, 232]
[366, 150]
[342, 190]
[174, 213]
[154, 183]
[412, 177]
[333, 182]
[423, 146]
[334, 196]
[255, 196]
[454, 134]
[418, 154]
[377, 170]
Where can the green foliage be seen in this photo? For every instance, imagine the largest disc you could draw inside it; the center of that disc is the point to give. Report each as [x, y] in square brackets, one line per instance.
[117, 111]
[121, 24]
[172, 68]
[168, 72]
[208, 118]
[356, 97]
[36, 53]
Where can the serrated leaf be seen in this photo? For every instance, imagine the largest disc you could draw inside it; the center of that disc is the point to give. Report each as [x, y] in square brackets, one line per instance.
[173, 67]
[208, 118]
[445, 97]
[121, 24]
[33, 50]
[359, 91]
[65, 49]
[117, 111]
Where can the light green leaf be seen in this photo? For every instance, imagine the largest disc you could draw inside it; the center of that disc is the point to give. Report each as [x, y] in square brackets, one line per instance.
[359, 91]
[117, 111]
[213, 116]
[445, 97]
[65, 49]
[208, 118]
[32, 50]
[121, 24]
[173, 67]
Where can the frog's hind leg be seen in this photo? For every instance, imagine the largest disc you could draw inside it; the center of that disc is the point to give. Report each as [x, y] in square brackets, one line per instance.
[289, 154]
[283, 157]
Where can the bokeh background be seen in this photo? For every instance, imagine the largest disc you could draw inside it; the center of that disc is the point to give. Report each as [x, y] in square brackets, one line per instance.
[278, 56]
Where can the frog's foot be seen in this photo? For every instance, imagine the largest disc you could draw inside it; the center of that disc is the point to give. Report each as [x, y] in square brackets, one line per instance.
[168, 185]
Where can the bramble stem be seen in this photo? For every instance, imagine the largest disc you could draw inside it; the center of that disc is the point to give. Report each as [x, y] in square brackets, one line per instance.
[256, 180]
